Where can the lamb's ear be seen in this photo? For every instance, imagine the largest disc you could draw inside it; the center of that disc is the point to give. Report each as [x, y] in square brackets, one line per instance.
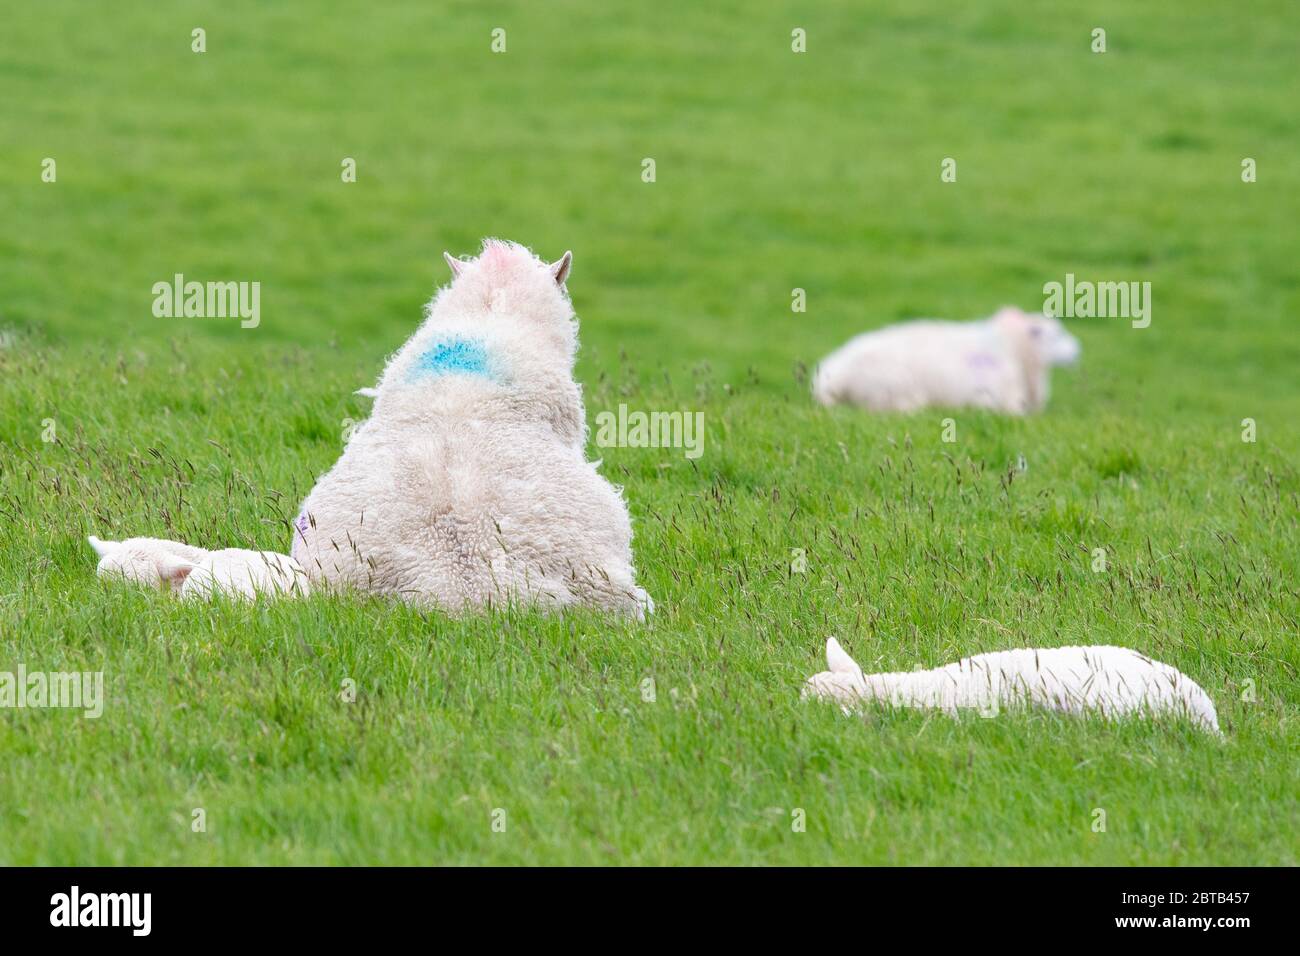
[174, 570]
[1010, 315]
[838, 660]
[102, 548]
[367, 392]
[453, 263]
[560, 268]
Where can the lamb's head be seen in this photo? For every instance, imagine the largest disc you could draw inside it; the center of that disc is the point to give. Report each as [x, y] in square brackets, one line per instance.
[1057, 346]
[147, 561]
[511, 291]
[1054, 345]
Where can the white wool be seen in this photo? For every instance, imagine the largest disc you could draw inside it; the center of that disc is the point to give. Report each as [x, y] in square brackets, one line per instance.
[1111, 681]
[1000, 363]
[148, 561]
[197, 573]
[469, 484]
[236, 572]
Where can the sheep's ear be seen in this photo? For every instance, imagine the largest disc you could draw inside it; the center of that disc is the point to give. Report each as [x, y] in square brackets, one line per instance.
[453, 263]
[366, 392]
[174, 570]
[1010, 315]
[838, 660]
[102, 548]
[560, 269]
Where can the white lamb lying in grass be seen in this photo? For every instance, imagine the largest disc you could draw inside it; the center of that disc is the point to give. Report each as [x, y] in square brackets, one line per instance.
[1111, 681]
[144, 561]
[198, 574]
[469, 484]
[239, 573]
[999, 363]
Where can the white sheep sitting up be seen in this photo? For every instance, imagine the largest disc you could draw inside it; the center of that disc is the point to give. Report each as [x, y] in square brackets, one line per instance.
[1110, 681]
[468, 485]
[1000, 363]
[198, 574]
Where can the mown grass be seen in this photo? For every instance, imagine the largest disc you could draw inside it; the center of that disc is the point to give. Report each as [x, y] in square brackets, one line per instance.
[775, 171]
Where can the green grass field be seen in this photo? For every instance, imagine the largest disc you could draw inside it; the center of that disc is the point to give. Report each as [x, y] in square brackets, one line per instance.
[775, 171]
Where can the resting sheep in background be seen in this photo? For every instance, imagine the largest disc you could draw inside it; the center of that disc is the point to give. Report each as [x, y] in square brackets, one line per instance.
[469, 484]
[1110, 681]
[999, 363]
[194, 573]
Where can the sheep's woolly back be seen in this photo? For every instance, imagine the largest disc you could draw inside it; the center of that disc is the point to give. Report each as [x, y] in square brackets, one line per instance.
[1111, 681]
[1000, 363]
[469, 484]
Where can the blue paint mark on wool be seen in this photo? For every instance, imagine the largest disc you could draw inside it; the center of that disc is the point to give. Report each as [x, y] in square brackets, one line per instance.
[455, 355]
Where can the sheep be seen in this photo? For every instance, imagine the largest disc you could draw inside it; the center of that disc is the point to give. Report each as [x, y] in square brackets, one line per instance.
[1000, 363]
[194, 573]
[147, 561]
[239, 573]
[1110, 681]
[468, 485]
